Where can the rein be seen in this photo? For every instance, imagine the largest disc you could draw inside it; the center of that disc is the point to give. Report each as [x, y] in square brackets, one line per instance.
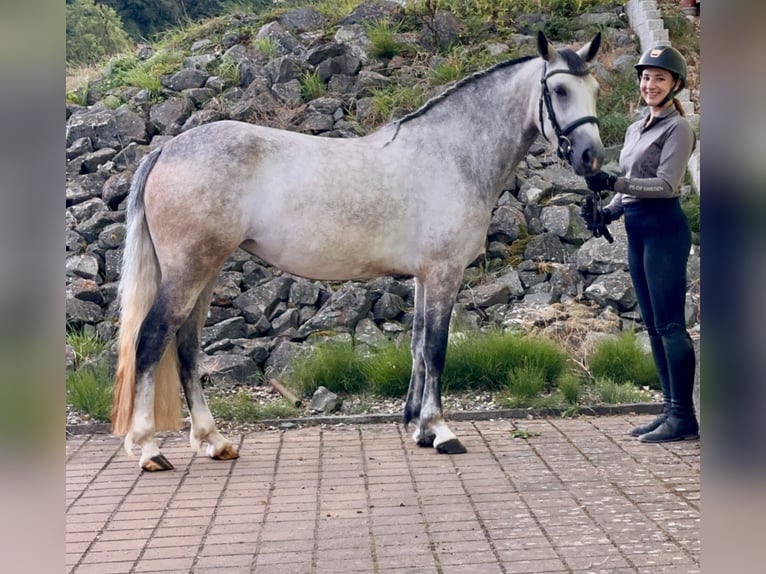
[564, 144]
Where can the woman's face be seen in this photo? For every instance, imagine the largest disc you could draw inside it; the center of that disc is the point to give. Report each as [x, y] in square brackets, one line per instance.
[656, 83]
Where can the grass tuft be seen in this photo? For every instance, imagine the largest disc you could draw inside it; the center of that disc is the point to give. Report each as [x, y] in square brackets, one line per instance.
[240, 408]
[623, 361]
[89, 390]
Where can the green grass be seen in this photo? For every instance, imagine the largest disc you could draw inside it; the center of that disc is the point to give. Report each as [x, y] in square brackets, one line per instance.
[448, 70]
[382, 35]
[336, 10]
[86, 346]
[312, 86]
[617, 97]
[89, 390]
[388, 99]
[228, 70]
[267, 47]
[89, 383]
[474, 361]
[240, 408]
[526, 381]
[388, 370]
[336, 366]
[614, 393]
[570, 388]
[623, 361]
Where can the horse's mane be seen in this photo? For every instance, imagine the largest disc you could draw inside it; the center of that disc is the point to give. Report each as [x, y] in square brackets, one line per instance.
[457, 86]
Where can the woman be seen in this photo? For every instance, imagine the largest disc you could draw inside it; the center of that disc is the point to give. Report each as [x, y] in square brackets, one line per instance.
[653, 162]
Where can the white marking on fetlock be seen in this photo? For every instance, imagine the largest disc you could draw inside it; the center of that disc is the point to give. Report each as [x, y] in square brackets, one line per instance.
[148, 452]
[202, 425]
[442, 432]
[194, 442]
[217, 443]
[128, 444]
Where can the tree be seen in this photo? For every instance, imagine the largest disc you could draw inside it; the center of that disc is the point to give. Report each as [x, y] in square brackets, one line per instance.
[93, 31]
[143, 18]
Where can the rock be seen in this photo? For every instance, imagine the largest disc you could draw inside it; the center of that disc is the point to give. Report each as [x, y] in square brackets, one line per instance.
[325, 401]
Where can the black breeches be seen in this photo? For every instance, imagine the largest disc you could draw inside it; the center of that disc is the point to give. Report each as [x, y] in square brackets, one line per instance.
[659, 240]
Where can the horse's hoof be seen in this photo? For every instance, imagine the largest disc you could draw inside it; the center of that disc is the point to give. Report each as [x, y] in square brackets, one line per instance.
[451, 446]
[226, 453]
[156, 463]
[426, 441]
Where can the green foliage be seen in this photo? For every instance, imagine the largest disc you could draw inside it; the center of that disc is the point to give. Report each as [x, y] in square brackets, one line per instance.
[93, 32]
[623, 361]
[526, 380]
[382, 35]
[130, 71]
[336, 366]
[78, 95]
[523, 434]
[504, 12]
[89, 390]
[336, 10]
[690, 203]
[570, 387]
[474, 361]
[267, 47]
[618, 96]
[86, 346]
[484, 360]
[312, 86]
[389, 100]
[614, 393]
[89, 384]
[388, 370]
[448, 70]
[241, 408]
[228, 70]
[144, 18]
[682, 34]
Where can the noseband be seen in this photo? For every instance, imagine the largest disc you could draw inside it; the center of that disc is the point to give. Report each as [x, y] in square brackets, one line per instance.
[564, 144]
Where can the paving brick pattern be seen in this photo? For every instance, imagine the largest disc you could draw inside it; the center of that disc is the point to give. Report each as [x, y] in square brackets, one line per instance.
[580, 496]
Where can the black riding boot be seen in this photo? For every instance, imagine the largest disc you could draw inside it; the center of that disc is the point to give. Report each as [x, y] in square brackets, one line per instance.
[658, 352]
[681, 423]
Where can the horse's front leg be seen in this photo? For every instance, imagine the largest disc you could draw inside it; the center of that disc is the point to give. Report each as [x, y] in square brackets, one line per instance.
[417, 376]
[203, 427]
[432, 430]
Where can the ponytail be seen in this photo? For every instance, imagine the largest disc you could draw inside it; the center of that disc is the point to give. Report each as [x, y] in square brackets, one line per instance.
[679, 107]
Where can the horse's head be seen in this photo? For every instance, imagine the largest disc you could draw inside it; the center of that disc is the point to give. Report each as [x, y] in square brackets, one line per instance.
[567, 113]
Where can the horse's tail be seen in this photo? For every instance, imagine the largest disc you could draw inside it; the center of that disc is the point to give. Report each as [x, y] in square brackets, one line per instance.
[139, 283]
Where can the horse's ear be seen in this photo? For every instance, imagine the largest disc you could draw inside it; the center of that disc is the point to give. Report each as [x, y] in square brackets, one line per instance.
[544, 47]
[588, 52]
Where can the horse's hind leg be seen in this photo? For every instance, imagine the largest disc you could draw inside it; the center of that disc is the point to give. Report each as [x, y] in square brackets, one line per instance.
[203, 427]
[157, 330]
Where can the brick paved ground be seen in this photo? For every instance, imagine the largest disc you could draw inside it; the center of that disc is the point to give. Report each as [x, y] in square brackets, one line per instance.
[581, 496]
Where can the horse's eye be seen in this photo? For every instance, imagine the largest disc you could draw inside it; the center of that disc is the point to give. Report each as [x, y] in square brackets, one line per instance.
[560, 91]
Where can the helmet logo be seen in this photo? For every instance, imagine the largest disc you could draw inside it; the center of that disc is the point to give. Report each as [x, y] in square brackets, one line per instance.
[656, 52]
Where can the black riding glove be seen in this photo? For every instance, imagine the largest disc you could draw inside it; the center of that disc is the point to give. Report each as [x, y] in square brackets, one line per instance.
[595, 218]
[601, 181]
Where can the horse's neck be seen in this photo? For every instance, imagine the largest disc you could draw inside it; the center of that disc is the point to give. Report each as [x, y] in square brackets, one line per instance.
[486, 128]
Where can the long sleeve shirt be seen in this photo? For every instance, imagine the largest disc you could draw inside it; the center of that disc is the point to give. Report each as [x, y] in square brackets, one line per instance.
[653, 159]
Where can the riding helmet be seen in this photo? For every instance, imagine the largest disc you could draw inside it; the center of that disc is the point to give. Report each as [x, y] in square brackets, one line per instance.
[665, 57]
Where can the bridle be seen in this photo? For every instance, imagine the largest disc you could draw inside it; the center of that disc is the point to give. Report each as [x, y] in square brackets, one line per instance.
[564, 144]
